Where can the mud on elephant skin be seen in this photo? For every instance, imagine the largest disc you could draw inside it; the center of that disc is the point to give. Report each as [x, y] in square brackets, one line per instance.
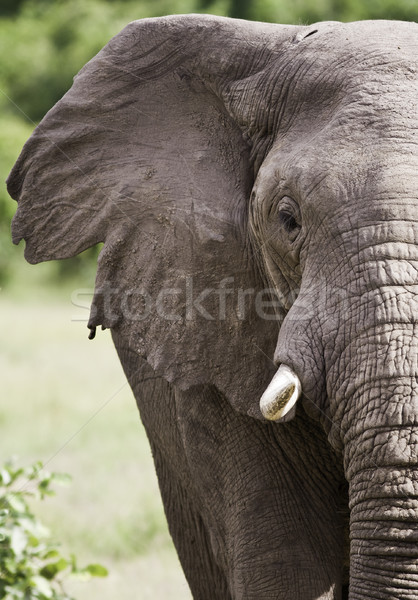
[217, 159]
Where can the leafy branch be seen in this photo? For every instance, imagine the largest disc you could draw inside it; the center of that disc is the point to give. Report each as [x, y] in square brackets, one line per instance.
[31, 566]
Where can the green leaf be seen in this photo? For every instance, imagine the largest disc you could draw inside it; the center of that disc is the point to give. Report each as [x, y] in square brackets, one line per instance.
[5, 477]
[50, 570]
[62, 478]
[44, 488]
[53, 553]
[96, 570]
[32, 526]
[13, 593]
[18, 541]
[16, 502]
[42, 586]
[34, 471]
[11, 565]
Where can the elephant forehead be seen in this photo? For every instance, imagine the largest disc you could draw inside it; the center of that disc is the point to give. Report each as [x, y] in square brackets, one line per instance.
[354, 154]
[351, 61]
[338, 84]
[352, 47]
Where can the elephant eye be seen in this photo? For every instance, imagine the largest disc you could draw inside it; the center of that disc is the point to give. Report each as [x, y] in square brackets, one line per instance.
[288, 221]
[287, 214]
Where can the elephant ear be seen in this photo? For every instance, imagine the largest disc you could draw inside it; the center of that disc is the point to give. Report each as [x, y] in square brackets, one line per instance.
[150, 153]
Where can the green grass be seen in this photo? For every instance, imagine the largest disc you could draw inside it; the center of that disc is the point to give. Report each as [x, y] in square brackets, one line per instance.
[65, 401]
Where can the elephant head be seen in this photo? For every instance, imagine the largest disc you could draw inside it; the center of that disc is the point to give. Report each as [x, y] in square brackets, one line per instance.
[221, 161]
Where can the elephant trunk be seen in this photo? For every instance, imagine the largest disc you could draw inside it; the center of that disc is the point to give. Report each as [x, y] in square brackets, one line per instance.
[381, 460]
[371, 366]
[384, 534]
[376, 408]
[359, 379]
[384, 516]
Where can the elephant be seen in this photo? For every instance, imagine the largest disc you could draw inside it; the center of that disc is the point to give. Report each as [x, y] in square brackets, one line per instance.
[255, 187]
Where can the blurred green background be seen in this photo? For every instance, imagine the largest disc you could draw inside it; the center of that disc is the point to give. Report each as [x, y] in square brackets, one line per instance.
[64, 399]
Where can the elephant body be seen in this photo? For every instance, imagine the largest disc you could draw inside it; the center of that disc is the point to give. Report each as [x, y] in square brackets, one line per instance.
[255, 187]
[287, 497]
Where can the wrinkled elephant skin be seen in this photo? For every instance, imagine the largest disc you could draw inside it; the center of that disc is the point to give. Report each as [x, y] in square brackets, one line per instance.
[256, 190]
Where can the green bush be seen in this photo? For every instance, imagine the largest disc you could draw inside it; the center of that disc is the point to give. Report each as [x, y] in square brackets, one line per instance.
[31, 566]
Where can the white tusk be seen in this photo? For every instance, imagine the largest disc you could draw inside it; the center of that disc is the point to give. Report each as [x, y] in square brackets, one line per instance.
[281, 395]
